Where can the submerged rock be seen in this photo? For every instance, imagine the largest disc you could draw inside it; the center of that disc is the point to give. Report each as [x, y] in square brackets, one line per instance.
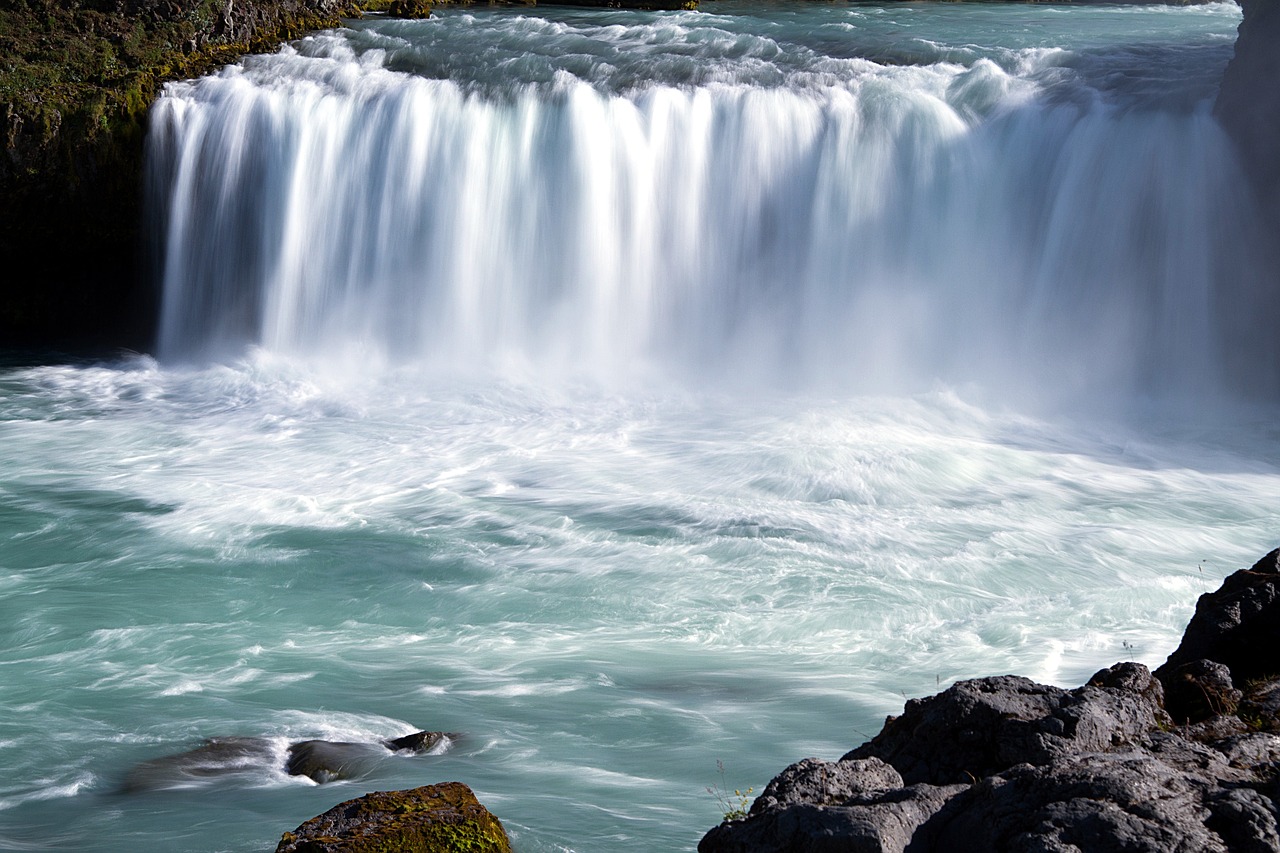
[327, 761]
[321, 760]
[219, 756]
[443, 818]
[1006, 764]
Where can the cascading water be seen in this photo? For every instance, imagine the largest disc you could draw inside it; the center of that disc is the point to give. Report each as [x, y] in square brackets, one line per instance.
[512, 384]
[696, 200]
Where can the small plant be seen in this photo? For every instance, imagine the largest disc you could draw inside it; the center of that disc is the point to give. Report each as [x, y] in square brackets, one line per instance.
[735, 807]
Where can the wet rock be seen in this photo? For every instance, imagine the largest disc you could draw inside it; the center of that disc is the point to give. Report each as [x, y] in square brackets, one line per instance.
[444, 818]
[328, 761]
[420, 742]
[216, 757]
[409, 8]
[321, 760]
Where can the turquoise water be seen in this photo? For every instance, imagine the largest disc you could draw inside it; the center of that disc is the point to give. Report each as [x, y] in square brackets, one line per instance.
[417, 454]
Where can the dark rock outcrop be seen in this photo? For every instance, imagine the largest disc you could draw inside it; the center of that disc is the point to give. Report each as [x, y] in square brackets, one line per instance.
[76, 80]
[444, 818]
[1249, 102]
[1237, 626]
[977, 728]
[1005, 764]
[321, 760]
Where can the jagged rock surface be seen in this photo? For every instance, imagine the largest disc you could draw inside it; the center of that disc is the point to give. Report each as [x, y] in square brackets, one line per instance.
[1238, 626]
[1005, 764]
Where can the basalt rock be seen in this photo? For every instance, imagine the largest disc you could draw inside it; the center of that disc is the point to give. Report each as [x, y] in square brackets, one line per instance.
[444, 818]
[980, 727]
[1005, 764]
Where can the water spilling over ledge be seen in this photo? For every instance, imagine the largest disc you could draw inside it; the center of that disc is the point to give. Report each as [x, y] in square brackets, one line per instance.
[365, 489]
[687, 197]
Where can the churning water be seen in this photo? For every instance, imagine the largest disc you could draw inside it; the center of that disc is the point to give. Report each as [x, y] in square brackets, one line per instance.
[632, 391]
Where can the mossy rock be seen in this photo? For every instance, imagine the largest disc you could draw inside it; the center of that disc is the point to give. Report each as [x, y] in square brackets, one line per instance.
[443, 818]
[410, 8]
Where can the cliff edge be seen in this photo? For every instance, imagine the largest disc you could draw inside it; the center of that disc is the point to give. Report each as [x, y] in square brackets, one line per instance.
[76, 79]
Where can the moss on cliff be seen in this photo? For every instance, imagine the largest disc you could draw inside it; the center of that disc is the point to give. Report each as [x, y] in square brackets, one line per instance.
[76, 79]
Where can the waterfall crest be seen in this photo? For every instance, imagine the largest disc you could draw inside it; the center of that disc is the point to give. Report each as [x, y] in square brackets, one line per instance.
[882, 228]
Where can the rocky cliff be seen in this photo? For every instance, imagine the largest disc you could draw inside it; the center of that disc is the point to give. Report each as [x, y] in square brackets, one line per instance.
[76, 80]
[1185, 759]
[1249, 103]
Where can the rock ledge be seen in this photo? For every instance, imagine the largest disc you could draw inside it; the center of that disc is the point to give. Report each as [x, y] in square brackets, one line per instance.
[1185, 759]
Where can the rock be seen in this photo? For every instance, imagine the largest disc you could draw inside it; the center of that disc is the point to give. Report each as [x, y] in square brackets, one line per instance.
[1248, 103]
[1237, 626]
[814, 781]
[980, 727]
[877, 822]
[1253, 752]
[1005, 764]
[327, 761]
[1200, 690]
[76, 81]
[215, 757]
[408, 8]
[1127, 801]
[444, 818]
[321, 760]
[420, 742]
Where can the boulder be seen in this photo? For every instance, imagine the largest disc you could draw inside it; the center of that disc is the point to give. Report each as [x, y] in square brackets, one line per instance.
[1124, 801]
[980, 727]
[1237, 625]
[1200, 690]
[443, 818]
[321, 760]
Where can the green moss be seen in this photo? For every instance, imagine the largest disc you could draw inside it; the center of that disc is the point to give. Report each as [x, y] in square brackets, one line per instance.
[76, 80]
[443, 818]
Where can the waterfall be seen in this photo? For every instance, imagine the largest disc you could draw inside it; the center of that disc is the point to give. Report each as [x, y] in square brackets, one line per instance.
[877, 228]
